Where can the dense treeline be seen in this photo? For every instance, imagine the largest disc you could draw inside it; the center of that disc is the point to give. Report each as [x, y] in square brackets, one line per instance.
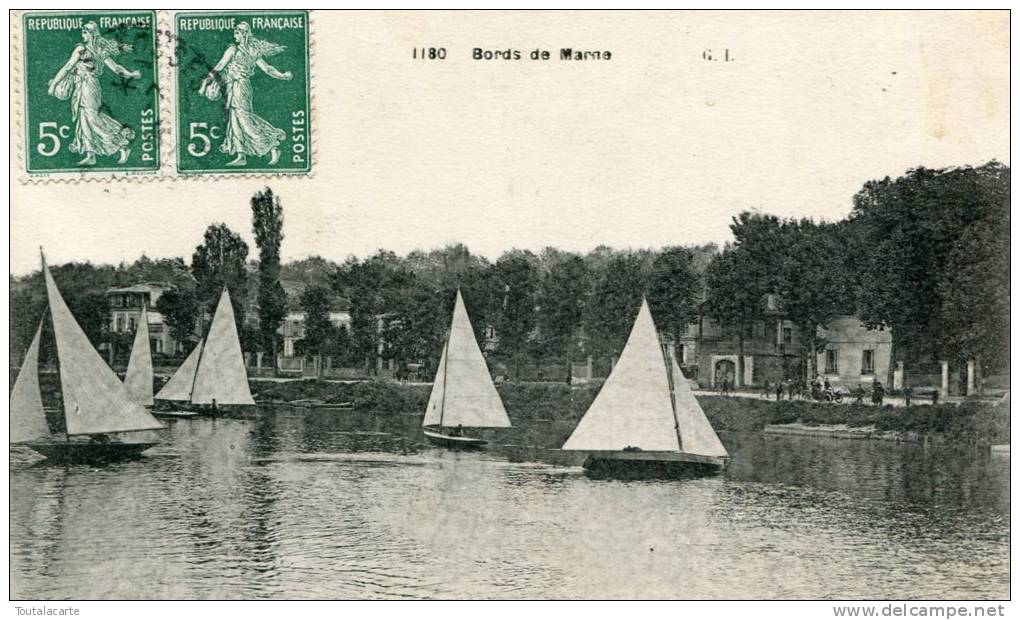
[925, 254]
[526, 308]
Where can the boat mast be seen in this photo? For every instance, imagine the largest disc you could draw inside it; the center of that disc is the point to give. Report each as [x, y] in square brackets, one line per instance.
[56, 345]
[672, 392]
[198, 362]
[446, 362]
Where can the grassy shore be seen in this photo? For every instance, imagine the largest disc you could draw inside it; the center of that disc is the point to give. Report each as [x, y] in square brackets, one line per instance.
[972, 422]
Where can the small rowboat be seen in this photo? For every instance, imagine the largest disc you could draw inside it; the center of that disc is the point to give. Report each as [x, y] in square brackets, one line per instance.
[315, 403]
[175, 413]
[452, 441]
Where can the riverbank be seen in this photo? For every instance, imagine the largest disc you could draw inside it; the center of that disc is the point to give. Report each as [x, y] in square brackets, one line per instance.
[544, 404]
[975, 422]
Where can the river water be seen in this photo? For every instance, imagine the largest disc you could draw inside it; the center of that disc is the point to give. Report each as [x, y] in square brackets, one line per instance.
[295, 504]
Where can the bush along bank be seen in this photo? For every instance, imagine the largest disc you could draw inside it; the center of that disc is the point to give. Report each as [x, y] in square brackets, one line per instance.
[376, 396]
[970, 422]
[554, 409]
[542, 402]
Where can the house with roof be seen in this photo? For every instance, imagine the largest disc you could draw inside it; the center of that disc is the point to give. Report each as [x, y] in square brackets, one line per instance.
[293, 327]
[709, 350]
[126, 305]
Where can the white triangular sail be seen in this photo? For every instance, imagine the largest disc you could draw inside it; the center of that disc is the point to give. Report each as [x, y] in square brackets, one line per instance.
[634, 408]
[438, 394]
[221, 374]
[696, 433]
[138, 378]
[95, 401]
[463, 393]
[28, 420]
[178, 388]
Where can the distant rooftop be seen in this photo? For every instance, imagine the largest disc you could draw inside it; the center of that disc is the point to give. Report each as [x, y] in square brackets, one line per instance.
[337, 304]
[143, 287]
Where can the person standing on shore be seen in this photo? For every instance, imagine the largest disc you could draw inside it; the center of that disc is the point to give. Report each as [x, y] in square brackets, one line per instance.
[859, 395]
[779, 389]
[877, 393]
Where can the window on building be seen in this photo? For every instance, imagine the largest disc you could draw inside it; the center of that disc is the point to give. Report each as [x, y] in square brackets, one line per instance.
[120, 324]
[832, 361]
[682, 351]
[131, 325]
[868, 362]
[787, 335]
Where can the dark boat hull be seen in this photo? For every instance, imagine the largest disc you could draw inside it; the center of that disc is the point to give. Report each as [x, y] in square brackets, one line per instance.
[457, 443]
[174, 413]
[651, 465]
[81, 452]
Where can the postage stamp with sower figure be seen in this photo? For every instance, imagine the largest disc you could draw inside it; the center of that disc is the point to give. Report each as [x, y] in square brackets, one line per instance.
[91, 92]
[243, 102]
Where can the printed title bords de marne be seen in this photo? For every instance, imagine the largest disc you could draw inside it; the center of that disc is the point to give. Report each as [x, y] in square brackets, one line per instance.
[565, 53]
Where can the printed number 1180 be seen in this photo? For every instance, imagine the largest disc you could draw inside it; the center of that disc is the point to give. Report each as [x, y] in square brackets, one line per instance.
[429, 53]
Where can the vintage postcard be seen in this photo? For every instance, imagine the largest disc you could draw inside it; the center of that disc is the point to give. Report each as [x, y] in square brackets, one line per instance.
[511, 305]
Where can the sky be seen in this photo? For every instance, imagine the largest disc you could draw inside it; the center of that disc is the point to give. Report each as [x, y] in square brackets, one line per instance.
[654, 147]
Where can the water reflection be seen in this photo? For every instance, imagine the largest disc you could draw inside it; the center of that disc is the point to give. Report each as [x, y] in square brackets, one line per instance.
[352, 505]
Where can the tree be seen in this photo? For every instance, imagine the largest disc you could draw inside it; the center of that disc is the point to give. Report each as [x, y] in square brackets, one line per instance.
[614, 304]
[315, 301]
[92, 311]
[338, 345]
[453, 267]
[218, 262]
[813, 284]
[563, 298]
[375, 286]
[179, 308]
[674, 290]
[517, 274]
[170, 270]
[975, 294]
[418, 325]
[733, 298]
[267, 225]
[924, 247]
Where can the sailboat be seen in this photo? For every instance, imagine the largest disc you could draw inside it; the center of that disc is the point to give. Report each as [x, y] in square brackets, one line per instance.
[213, 376]
[138, 378]
[98, 409]
[463, 395]
[646, 420]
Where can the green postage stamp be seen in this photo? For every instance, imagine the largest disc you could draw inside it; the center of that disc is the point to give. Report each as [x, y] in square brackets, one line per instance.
[91, 92]
[243, 102]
